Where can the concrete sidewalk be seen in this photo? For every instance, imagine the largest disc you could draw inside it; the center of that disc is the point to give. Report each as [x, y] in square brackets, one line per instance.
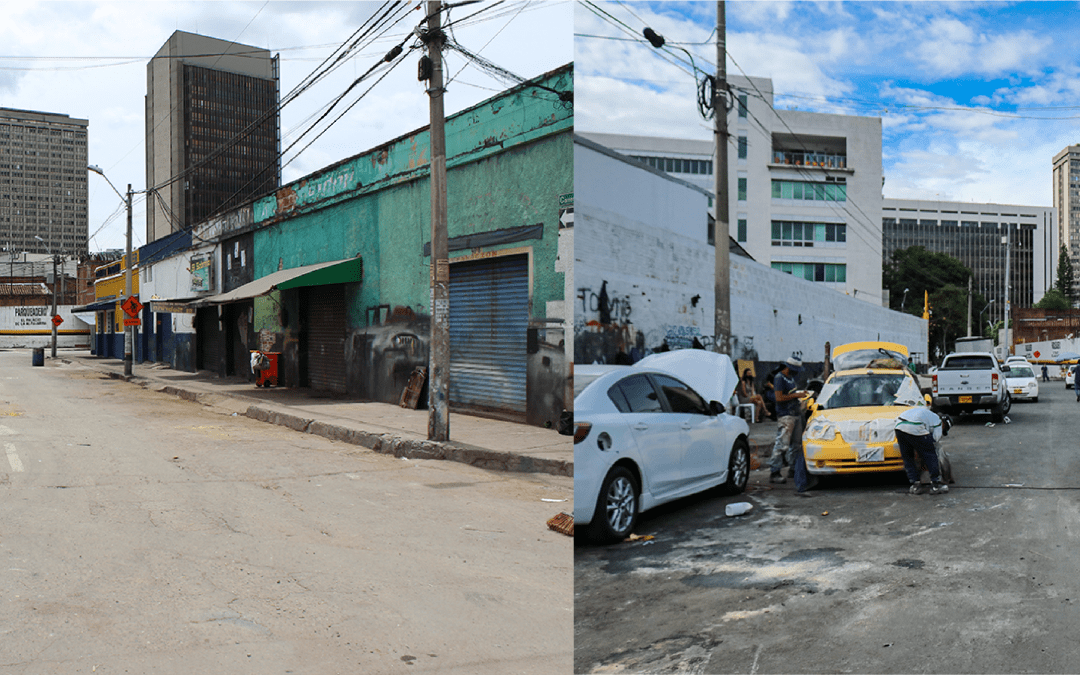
[382, 427]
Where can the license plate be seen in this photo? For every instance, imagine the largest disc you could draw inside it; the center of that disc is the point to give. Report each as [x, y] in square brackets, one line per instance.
[1018, 391]
[870, 454]
[965, 399]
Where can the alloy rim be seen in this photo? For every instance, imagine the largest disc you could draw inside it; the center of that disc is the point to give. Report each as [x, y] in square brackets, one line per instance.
[620, 504]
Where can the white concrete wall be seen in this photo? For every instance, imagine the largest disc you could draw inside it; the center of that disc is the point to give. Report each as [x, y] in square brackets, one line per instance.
[659, 282]
[31, 326]
[170, 279]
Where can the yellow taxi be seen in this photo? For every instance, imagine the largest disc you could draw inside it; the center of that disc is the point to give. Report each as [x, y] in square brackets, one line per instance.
[852, 421]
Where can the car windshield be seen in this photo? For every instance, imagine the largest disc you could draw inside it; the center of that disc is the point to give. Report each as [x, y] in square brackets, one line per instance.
[1020, 371]
[869, 358]
[869, 389]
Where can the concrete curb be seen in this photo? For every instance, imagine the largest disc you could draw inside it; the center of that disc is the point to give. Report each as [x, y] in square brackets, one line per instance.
[387, 444]
[411, 448]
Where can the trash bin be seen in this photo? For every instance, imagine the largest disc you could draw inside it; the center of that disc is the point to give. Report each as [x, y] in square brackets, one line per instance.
[267, 370]
[39, 356]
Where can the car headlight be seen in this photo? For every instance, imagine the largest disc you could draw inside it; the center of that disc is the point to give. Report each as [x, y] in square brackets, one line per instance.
[820, 429]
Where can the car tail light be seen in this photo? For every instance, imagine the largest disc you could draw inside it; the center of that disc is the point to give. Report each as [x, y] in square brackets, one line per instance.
[934, 380]
[581, 431]
[994, 382]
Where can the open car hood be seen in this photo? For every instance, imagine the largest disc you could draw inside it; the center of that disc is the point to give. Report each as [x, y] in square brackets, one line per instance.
[710, 374]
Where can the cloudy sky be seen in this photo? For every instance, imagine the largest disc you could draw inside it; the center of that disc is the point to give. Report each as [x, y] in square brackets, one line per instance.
[975, 98]
[88, 60]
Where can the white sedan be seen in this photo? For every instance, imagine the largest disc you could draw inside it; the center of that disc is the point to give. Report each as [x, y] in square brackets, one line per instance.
[1022, 383]
[643, 436]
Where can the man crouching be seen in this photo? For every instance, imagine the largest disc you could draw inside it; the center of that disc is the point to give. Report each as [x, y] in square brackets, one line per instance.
[917, 431]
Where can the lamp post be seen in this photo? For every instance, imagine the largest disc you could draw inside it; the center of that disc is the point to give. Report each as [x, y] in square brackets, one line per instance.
[128, 330]
[904, 300]
[52, 351]
[984, 310]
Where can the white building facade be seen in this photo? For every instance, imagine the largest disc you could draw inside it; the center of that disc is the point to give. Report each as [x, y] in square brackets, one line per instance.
[804, 188]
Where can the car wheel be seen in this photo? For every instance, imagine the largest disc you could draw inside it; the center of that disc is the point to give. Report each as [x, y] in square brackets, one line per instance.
[1006, 405]
[738, 468]
[1035, 400]
[997, 413]
[617, 506]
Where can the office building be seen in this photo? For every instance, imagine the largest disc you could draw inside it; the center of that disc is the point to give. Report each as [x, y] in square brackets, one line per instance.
[976, 234]
[42, 183]
[212, 130]
[804, 187]
[1067, 202]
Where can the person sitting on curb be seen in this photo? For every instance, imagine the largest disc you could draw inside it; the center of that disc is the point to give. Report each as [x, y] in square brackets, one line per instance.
[917, 431]
[787, 413]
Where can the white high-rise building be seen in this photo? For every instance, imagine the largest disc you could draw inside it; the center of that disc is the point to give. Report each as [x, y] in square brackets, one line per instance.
[804, 187]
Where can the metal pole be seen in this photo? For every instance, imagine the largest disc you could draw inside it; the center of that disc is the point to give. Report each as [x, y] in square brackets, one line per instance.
[969, 305]
[53, 350]
[128, 338]
[720, 233]
[438, 371]
[1008, 246]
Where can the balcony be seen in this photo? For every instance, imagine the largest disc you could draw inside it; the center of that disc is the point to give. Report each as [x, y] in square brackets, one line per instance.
[822, 160]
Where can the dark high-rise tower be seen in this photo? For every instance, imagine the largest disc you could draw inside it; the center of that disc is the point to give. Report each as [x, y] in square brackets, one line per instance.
[42, 182]
[212, 129]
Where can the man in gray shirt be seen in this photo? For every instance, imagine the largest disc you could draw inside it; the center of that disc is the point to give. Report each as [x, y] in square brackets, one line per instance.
[788, 411]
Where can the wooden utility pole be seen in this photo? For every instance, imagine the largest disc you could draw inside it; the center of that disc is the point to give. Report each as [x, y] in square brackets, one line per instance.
[720, 232]
[439, 361]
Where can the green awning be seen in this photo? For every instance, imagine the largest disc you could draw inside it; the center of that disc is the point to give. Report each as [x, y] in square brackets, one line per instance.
[347, 272]
[334, 272]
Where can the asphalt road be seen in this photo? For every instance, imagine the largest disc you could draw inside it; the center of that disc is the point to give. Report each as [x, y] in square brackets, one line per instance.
[140, 533]
[860, 576]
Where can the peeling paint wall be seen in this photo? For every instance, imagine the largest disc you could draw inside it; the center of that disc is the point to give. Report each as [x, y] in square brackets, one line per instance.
[509, 162]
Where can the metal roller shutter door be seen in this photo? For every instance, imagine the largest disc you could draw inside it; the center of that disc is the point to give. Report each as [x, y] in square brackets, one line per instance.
[325, 309]
[489, 320]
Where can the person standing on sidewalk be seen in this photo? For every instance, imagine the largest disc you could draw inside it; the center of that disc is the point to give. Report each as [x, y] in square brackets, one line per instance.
[918, 430]
[787, 416]
[1076, 381]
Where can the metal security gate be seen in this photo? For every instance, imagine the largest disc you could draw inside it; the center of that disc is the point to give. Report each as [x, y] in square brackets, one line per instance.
[489, 321]
[323, 317]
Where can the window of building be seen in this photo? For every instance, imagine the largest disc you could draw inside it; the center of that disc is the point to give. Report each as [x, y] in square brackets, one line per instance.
[741, 232]
[742, 188]
[742, 106]
[787, 189]
[742, 147]
[826, 272]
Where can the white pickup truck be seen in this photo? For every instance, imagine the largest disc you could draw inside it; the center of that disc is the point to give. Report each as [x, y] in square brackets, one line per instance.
[970, 381]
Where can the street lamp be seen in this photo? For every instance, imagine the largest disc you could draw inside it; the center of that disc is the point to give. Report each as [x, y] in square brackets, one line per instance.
[983, 310]
[52, 352]
[128, 335]
[904, 301]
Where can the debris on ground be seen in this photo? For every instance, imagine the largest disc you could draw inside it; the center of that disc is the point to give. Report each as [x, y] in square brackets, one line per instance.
[640, 537]
[562, 523]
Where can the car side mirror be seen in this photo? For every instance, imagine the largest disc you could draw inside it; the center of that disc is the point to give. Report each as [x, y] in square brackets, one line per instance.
[1004, 369]
[717, 407]
[812, 404]
[927, 398]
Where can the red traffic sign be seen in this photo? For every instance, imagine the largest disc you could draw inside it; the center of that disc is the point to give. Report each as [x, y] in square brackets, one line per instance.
[57, 320]
[132, 322]
[132, 306]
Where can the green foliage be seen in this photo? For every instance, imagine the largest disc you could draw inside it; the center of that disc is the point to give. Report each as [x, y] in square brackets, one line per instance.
[1053, 299]
[1066, 278]
[919, 270]
[945, 278]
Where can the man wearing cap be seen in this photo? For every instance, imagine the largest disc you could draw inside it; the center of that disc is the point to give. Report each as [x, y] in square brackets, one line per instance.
[787, 416]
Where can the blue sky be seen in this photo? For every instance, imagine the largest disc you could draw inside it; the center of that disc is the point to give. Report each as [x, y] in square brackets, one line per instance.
[975, 98]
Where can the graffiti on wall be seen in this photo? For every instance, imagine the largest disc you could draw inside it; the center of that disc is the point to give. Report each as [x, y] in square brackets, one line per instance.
[608, 308]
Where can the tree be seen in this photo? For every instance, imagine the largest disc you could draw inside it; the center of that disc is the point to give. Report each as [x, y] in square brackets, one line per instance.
[1053, 299]
[917, 270]
[1066, 278]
